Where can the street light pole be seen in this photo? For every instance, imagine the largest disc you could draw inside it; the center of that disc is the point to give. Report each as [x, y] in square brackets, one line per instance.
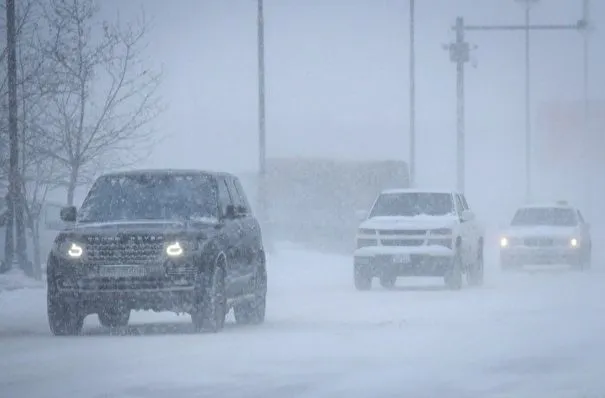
[412, 96]
[528, 138]
[261, 111]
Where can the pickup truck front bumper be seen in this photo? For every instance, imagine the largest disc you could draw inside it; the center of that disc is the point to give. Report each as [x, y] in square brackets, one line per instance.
[424, 261]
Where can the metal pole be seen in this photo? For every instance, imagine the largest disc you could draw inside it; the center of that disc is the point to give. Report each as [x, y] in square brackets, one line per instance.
[462, 55]
[261, 197]
[528, 140]
[13, 196]
[586, 103]
[412, 96]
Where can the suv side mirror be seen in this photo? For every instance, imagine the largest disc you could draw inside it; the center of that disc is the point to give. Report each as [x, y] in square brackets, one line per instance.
[68, 214]
[233, 211]
[467, 215]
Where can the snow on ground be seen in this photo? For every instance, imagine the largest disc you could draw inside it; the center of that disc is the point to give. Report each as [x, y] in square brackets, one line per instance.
[16, 279]
[526, 335]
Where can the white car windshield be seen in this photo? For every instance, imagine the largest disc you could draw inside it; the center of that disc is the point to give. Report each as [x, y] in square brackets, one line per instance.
[546, 216]
[413, 204]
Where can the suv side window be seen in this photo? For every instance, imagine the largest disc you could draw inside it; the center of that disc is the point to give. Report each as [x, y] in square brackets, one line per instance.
[224, 198]
[464, 202]
[242, 194]
[237, 199]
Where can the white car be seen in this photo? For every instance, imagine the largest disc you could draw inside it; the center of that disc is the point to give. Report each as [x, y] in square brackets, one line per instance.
[411, 232]
[545, 234]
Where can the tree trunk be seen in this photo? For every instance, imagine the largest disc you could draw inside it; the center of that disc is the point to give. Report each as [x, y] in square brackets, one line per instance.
[9, 237]
[21, 234]
[71, 188]
[37, 266]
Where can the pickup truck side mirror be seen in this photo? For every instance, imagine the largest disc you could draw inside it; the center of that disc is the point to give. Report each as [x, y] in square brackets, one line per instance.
[467, 215]
[361, 215]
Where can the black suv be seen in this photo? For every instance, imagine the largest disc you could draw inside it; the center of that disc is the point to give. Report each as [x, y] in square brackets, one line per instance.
[161, 240]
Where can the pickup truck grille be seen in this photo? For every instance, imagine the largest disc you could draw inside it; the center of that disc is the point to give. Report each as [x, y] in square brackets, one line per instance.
[124, 249]
[402, 242]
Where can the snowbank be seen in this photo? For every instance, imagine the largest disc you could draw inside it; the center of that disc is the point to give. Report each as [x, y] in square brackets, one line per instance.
[15, 279]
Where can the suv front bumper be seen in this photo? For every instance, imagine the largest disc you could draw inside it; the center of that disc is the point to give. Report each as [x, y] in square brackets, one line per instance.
[404, 261]
[162, 287]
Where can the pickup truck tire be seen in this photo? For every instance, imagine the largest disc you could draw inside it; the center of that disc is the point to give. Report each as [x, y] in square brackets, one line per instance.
[453, 277]
[362, 278]
[475, 274]
[114, 317]
[388, 280]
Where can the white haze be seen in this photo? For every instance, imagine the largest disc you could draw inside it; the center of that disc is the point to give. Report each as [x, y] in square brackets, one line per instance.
[337, 86]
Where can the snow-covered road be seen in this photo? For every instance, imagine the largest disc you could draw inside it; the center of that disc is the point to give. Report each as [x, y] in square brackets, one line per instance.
[529, 335]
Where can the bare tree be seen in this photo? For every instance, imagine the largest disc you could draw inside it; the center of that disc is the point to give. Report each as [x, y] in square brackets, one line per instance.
[106, 96]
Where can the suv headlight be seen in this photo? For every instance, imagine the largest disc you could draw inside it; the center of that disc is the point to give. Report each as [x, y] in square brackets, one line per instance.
[70, 249]
[574, 242]
[178, 248]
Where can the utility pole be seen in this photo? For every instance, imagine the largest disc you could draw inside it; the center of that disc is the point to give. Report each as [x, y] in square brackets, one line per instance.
[412, 95]
[13, 189]
[460, 53]
[586, 103]
[262, 157]
[528, 138]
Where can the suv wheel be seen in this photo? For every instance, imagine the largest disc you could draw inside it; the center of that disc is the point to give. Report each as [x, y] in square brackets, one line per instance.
[114, 317]
[252, 312]
[210, 306]
[65, 317]
[362, 278]
[453, 277]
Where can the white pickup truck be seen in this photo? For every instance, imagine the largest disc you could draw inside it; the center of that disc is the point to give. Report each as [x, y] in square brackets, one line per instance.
[411, 232]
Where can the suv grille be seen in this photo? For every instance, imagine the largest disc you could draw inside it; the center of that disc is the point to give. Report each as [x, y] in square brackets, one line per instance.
[124, 248]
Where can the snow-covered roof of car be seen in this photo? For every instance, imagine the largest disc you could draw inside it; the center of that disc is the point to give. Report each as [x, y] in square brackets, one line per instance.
[416, 190]
[549, 205]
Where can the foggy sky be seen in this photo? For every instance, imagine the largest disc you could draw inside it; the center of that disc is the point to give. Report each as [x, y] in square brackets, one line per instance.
[337, 83]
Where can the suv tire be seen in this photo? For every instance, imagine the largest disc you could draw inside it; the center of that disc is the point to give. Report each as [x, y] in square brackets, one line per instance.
[65, 317]
[210, 307]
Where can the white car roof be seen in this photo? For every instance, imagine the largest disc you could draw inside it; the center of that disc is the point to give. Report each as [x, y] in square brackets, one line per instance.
[553, 205]
[416, 190]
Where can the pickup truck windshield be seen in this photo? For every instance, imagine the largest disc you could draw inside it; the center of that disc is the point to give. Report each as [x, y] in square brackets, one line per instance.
[150, 197]
[413, 204]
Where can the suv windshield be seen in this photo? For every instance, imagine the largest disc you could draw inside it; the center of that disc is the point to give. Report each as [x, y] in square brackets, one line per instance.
[150, 197]
[558, 217]
[413, 204]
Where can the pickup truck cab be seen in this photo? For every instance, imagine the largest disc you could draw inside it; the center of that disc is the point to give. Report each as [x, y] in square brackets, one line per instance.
[412, 232]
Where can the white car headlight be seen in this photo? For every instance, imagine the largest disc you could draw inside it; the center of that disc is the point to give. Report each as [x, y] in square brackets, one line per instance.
[573, 242]
[504, 242]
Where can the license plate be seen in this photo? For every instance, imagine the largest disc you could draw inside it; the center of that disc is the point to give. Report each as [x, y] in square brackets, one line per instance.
[122, 271]
[401, 258]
